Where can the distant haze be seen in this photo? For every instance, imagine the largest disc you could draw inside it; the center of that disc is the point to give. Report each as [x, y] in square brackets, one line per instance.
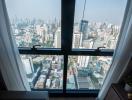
[111, 11]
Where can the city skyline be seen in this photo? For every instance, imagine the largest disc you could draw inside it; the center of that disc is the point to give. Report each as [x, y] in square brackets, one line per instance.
[51, 9]
[46, 71]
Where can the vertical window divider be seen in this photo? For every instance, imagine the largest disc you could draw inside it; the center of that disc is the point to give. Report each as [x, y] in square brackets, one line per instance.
[67, 21]
[65, 73]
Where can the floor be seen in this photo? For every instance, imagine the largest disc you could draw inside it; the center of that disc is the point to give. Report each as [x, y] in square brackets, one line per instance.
[72, 98]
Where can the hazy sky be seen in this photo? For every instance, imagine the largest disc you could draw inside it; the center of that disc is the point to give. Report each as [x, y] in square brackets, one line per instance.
[44, 9]
[110, 11]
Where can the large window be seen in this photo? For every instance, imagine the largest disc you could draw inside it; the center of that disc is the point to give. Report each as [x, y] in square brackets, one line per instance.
[44, 71]
[71, 35]
[36, 22]
[87, 72]
[97, 23]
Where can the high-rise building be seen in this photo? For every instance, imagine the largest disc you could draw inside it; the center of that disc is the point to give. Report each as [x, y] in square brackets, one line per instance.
[83, 28]
[28, 65]
[57, 40]
[83, 61]
[77, 39]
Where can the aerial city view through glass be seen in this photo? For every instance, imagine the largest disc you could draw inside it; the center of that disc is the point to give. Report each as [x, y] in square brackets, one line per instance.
[38, 22]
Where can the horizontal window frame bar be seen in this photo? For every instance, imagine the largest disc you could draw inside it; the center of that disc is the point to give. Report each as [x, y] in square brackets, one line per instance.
[92, 52]
[58, 51]
[75, 94]
[42, 51]
[70, 92]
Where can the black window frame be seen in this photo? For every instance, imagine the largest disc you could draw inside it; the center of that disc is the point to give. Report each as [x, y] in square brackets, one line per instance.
[67, 21]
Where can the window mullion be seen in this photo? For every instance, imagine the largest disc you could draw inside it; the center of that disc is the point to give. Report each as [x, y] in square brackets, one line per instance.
[67, 14]
[65, 73]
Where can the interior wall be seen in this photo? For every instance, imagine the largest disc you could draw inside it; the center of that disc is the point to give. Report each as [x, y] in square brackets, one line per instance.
[127, 72]
[2, 83]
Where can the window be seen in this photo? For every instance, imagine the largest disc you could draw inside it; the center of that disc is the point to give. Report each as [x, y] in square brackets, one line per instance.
[36, 22]
[87, 72]
[70, 56]
[44, 71]
[97, 23]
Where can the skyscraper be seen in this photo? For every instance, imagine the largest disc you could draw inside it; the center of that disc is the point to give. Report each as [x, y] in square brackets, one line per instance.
[57, 40]
[83, 28]
[77, 39]
[28, 65]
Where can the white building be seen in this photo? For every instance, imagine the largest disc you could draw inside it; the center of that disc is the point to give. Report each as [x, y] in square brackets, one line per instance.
[57, 40]
[28, 65]
[77, 39]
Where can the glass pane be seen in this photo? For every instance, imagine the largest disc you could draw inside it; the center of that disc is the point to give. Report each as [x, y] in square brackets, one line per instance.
[87, 72]
[36, 22]
[97, 23]
[44, 71]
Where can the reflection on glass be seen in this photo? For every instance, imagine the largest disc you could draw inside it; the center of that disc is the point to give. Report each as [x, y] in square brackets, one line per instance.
[35, 22]
[87, 72]
[97, 23]
[44, 71]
